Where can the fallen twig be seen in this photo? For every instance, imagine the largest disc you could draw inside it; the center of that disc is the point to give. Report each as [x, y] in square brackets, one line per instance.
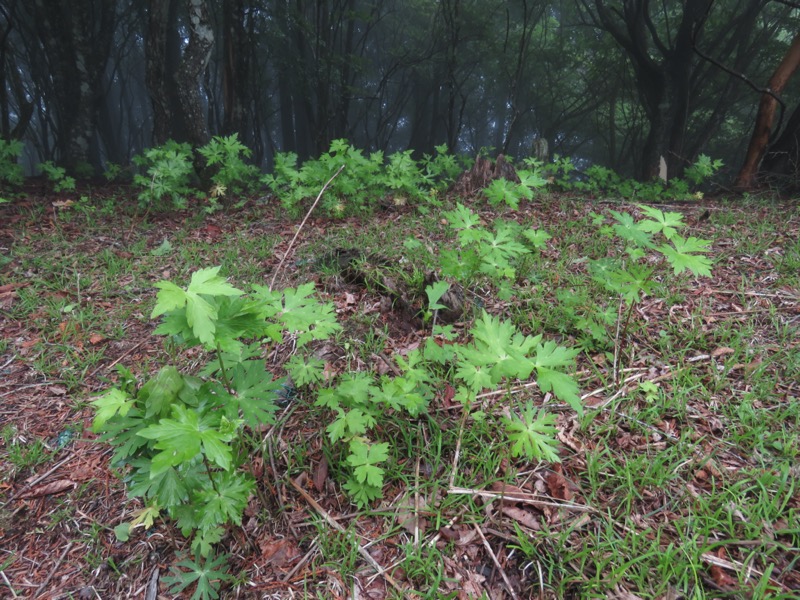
[365, 555]
[299, 229]
[47, 579]
[496, 562]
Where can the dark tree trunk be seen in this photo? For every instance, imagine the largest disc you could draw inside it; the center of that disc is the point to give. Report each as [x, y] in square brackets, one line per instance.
[76, 37]
[156, 65]
[235, 69]
[781, 164]
[663, 69]
[190, 72]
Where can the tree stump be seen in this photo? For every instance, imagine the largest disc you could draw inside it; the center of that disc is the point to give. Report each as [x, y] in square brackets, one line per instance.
[483, 172]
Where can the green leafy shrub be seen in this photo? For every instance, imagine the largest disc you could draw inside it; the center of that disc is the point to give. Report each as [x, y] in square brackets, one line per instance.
[58, 177]
[441, 168]
[364, 180]
[10, 169]
[167, 172]
[226, 155]
[180, 438]
[490, 252]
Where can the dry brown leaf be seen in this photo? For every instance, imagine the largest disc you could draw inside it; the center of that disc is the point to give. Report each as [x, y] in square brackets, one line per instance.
[48, 489]
[557, 485]
[522, 516]
[320, 474]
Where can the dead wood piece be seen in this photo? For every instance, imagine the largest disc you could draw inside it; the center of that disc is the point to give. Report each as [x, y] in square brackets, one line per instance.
[483, 172]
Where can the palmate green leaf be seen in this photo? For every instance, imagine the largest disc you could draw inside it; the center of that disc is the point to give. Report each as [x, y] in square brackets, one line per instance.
[498, 346]
[208, 575]
[362, 493]
[667, 223]
[181, 438]
[533, 435]
[160, 392]
[537, 237]
[304, 315]
[435, 291]
[562, 385]
[627, 229]
[201, 316]
[113, 402]
[225, 502]
[502, 190]
[364, 457]
[462, 218]
[170, 297]
[305, 370]
[206, 281]
[684, 255]
[549, 357]
[255, 392]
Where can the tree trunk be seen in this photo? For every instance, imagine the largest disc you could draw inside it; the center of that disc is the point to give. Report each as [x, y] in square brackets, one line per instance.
[155, 52]
[781, 164]
[746, 179]
[76, 37]
[190, 72]
[234, 75]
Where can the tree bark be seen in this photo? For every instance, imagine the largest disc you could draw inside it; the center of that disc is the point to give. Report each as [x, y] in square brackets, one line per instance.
[76, 37]
[190, 72]
[759, 141]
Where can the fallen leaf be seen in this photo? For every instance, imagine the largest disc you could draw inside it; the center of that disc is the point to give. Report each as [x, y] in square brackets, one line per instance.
[48, 489]
[521, 516]
[721, 578]
[557, 485]
[320, 474]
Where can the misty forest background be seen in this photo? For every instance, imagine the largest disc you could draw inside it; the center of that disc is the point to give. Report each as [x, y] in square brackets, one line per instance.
[620, 84]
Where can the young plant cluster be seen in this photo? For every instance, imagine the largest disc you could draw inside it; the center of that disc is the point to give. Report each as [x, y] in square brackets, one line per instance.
[182, 439]
[364, 181]
[167, 172]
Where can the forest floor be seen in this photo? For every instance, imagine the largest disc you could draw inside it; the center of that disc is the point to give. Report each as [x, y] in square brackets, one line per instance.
[680, 480]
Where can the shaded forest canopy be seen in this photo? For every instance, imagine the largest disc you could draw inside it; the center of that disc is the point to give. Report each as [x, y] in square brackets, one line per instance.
[86, 83]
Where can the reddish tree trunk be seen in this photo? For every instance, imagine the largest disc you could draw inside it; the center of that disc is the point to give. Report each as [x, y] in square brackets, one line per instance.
[766, 113]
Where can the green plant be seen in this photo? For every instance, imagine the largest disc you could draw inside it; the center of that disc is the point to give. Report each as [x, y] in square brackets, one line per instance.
[630, 275]
[181, 437]
[21, 453]
[10, 169]
[702, 169]
[58, 177]
[208, 576]
[167, 174]
[533, 435]
[491, 252]
[225, 155]
[112, 172]
[362, 182]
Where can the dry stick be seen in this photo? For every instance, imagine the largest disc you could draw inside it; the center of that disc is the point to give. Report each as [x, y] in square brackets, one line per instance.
[8, 583]
[303, 561]
[40, 589]
[38, 479]
[299, 229]
[119, 358]
[332, 522]
[454, 470]
[523, 498]
[496, 563]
